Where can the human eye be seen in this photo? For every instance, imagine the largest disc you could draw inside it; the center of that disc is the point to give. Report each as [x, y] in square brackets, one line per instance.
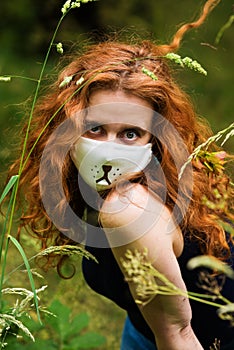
[131, 134]
[93, 129]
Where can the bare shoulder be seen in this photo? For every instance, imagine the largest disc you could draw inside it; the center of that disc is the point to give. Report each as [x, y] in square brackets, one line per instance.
[138, 214]
[121, 207]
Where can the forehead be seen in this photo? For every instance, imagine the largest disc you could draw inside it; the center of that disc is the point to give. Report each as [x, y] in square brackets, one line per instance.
[107, 107]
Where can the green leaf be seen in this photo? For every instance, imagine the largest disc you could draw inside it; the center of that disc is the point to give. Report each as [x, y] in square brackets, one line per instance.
[87, 341]
[212, 263]
[32, 324]
[8, 187]
[68, 330]
[40, 344]
[228, 227]
[60, 310]
[60, 323]
[30, 276]
[79, 322]
[63, 325]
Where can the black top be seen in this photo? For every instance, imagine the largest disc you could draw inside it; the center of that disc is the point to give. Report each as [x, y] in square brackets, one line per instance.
[107, 279]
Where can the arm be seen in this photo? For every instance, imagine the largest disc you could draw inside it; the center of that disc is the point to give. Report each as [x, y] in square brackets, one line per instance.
[138, 220]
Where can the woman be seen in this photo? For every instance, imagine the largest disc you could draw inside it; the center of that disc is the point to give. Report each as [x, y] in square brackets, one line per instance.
[108, 142]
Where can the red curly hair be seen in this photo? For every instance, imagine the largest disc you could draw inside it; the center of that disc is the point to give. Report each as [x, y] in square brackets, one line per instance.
[118, 66]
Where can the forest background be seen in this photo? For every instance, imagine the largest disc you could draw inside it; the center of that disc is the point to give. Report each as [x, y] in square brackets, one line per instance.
[26, 28]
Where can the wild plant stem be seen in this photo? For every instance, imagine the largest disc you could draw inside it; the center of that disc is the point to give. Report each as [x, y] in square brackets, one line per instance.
[3, 269]
[15, 189]
[204, 301]
[53, 116]
[198, 297]
[7, 244]
[29, 122]
[21, 77]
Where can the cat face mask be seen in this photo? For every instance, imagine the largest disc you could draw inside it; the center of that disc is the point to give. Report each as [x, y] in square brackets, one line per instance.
[100, 163]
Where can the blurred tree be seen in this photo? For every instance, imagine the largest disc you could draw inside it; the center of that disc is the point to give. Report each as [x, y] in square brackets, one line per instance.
[26, 26]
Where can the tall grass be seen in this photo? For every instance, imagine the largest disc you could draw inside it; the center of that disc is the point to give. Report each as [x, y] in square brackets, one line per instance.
[12, 189]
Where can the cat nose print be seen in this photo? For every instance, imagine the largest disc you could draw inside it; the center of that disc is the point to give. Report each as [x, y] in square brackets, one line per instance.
[106, 169]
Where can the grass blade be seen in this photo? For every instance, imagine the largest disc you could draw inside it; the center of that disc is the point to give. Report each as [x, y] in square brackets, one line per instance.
[3, 270]
[7, 241]
[8, 187]
[30, 276]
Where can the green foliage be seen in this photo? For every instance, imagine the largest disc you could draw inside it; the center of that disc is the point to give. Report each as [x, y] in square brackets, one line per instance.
[70, 330]
[72, 5]
[7, 319]
[12, 318]
[214, 160]
[186, 62]
[149, 282]
[8, 187]
[226, 26]
[149, 73]
[15, 319]
[60, 331]
[213, 96]
[68, 250]
[30, 276]
[211, 263]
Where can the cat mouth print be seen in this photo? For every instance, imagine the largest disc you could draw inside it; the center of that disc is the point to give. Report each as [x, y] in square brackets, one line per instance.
[104, 179]
[102, 163]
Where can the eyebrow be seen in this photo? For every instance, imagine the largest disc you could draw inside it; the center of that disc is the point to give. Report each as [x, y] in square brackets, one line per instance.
[137, 128]
[124, 126]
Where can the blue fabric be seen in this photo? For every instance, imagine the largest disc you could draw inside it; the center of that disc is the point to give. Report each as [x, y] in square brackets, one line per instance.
[134, 340]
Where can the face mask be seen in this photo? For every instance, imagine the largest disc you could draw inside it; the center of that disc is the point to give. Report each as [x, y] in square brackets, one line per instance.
[100, 163]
